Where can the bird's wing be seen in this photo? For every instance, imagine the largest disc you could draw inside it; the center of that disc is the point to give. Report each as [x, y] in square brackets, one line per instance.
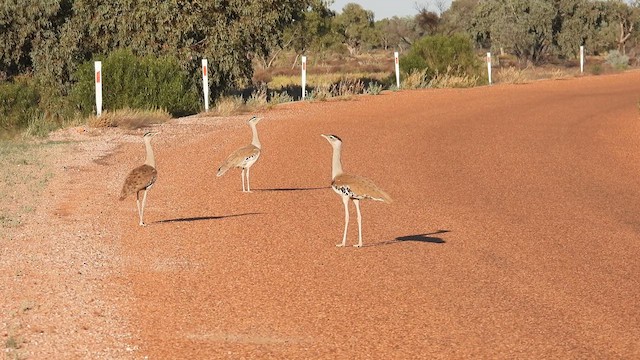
[238, 157]
[138, 179]
[361, 187]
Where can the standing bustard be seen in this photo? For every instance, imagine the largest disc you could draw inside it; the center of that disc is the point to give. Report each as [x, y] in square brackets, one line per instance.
[245, 156]
[351, 187]
[141, 178]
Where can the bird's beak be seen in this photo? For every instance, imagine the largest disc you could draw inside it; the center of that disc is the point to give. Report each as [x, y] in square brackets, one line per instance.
[324, 136]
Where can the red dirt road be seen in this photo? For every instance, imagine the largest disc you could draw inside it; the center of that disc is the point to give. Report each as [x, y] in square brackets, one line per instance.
[514, 232]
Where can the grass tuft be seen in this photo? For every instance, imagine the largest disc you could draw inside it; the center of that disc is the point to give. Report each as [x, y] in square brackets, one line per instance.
[129, 118]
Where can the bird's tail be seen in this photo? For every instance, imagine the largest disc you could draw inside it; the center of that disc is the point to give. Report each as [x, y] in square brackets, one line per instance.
[384, 197]
[380, 195]
[123, 194]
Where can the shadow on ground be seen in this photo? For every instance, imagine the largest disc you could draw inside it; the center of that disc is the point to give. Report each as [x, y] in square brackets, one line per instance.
[424, 238]
[293, 189]
[202, 218]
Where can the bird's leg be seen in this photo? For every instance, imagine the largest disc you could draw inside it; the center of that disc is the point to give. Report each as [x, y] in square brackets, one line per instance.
[138, 204]
[248, 188]
[144, 200]
[357, 202]
[242, 179]
[345, 201]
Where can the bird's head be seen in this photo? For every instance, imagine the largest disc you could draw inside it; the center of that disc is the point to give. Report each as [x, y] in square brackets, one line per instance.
[254, 120]
[149, 134]
[332, 139]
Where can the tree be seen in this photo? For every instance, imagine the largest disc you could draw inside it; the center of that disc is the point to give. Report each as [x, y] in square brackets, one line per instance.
[521, 26]
[459, 17]
[55, 36]
[24, 27]
[398, 32]
[309, 32]
[625, 19]
[579, 22]
[355, 26]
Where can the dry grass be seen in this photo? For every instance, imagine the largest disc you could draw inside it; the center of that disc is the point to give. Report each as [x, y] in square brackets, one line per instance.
[415, 80]
[453, 81]
[24, 176]
[512, 75]
[315, 80]
[129, 118]
[229, 105]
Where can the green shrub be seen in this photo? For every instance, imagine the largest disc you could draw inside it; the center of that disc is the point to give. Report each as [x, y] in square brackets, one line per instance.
[144, 83]
[439, 54]
[18, 104]
[374, 88]
[280, 98]
[617, 60]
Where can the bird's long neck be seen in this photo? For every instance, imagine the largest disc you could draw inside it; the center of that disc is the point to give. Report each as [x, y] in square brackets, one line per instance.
[150, 160]
[336, 164]
[255, 141]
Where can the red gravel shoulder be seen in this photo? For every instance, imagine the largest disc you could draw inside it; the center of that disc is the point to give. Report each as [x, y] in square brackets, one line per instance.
[513, 233]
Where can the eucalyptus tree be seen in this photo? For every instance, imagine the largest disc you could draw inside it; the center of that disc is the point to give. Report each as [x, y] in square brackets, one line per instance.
[25, 26]
[355, 26]
[523, 27]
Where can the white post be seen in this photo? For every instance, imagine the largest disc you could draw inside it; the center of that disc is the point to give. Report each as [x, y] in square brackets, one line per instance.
[98, 80]
[489, 66]
[304, 77]
[397, 61]
[205, 84]
[581, 59]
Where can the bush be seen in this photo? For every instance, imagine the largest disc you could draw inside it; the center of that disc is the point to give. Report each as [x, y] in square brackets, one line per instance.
[144, 83]
[18, 104]
[439, 54]
[617, 60]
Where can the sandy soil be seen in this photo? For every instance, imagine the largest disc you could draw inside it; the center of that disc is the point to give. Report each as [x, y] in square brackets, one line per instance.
[514, 234]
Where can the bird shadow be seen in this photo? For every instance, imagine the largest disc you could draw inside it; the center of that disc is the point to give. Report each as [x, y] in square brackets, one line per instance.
[423, 238]
[201, 218]
[293, 189]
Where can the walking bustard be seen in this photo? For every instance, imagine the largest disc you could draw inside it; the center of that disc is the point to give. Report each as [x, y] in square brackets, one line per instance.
[245, 156]
[351, 187]
[141, 178]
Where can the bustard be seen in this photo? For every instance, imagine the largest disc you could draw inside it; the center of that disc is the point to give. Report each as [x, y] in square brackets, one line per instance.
[245, 156]
[351, 187]
[141, 178]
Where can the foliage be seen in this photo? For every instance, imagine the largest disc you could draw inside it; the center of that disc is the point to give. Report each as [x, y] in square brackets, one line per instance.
[580, 22]
[374, 88]
[141, 83]
[523, 27]
[397, 32]
[355, 26]
[453, 55]
[617, 60]
[279, 98]
[18, 104]
[459, 17]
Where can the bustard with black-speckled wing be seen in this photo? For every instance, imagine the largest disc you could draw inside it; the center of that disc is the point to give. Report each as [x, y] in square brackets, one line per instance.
[244, 157]
[351, 187]
[141, 178]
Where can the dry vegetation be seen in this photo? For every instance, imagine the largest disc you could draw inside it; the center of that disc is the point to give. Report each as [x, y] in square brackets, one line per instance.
[129, 118]
[25, 173]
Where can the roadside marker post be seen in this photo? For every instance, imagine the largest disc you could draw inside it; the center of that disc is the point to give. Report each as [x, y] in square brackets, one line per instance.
[581, 59]
[205, 84]
[397, 61]
[98, 80]
[304, 77]
[489, 66]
